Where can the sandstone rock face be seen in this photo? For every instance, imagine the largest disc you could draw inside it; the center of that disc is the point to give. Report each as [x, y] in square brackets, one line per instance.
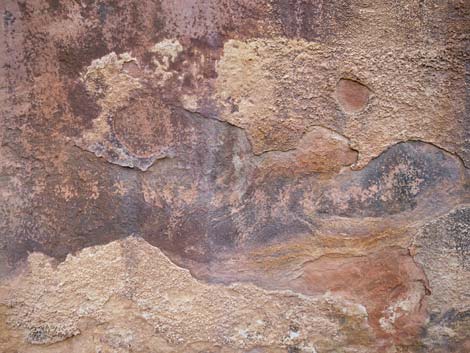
[235, 176]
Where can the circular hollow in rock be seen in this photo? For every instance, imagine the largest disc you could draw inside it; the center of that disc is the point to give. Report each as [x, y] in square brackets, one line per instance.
[352, 95]
[144, 127]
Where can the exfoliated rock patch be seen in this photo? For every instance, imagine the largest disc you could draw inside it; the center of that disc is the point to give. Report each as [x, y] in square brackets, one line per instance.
[234, 176]
[144, 127]
[352, 95]
[174, 309]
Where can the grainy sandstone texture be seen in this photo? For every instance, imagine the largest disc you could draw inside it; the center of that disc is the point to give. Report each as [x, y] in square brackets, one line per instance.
[235, 176]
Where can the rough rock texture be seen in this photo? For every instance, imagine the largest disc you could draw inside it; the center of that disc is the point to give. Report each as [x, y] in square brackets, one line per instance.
[235, 176]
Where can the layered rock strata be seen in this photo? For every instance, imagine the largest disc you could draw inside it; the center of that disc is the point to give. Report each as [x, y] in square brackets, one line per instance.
[235, 176]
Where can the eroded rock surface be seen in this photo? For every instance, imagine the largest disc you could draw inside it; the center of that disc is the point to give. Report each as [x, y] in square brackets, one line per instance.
[234, 176]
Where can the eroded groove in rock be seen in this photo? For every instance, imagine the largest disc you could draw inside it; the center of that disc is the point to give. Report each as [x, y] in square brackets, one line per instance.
[295, 176]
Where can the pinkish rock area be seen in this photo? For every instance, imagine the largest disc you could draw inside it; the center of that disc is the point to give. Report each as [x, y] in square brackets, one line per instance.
[224, 176]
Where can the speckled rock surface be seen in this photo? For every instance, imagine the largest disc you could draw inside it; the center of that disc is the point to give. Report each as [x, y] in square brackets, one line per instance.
[235, 176]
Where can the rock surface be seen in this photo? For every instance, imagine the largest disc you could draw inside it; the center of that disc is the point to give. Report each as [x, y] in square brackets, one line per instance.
[235, 176]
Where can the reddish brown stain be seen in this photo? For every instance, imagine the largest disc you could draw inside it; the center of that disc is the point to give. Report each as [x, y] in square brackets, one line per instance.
[144, 126]
[382, 280]
[212, 195]
[83, 105]
[352, 95]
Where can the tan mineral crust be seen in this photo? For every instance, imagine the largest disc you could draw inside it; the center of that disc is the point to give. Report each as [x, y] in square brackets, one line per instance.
[224, 176]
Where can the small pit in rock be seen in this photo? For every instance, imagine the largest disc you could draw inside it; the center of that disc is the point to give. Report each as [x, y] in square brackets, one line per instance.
[352, 96]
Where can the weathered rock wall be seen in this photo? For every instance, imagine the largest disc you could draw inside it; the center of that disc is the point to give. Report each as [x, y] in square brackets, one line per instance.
[235, 176]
